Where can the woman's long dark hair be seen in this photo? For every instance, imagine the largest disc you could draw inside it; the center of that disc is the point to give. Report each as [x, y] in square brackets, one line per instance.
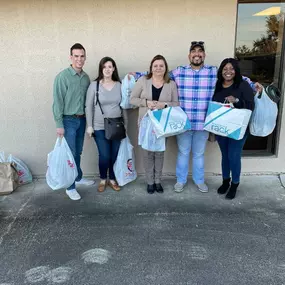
[237, 78]
[115, 75]
[165, 76]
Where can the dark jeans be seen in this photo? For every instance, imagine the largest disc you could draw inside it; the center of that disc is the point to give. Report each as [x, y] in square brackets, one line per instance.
[108, 151]
[74, 131]
[231, 156]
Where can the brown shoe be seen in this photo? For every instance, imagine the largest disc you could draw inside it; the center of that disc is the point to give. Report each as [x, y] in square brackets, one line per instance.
[102, 186]
[114, 186]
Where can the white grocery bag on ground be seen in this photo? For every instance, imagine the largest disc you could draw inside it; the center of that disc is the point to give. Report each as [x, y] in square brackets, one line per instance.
[2, 156]
[62, 170]
[170, 121]
[25, 175]
[264, 115]
[124, 167]
[126, 89]
[147, 137]
[226, 121]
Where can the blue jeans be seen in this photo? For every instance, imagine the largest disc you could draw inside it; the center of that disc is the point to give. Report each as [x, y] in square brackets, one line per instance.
[195, 140]
[74, 131]
[108, 151]
[231, 156]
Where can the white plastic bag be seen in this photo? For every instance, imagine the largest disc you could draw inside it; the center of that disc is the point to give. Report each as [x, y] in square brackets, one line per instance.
[124, 167]
[226, 121]
[126, 89]
[2, 156]
[170, 121]
[264, 115]
[25, 175]
[147, 137]
[62, 170]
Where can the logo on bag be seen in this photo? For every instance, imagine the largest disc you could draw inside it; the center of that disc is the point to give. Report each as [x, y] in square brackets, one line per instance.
[70, 164]
[130, 165]
[177, 125]
[220, 128]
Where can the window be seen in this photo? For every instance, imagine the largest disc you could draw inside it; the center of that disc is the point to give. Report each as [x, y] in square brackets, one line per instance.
[260, 48]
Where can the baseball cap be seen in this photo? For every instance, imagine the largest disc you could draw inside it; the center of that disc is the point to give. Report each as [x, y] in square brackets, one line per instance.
[197, 44]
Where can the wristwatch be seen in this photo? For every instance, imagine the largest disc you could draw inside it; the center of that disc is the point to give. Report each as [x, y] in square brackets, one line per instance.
[165, 106]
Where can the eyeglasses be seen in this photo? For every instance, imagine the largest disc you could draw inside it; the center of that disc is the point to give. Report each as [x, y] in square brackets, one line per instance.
[197, 43]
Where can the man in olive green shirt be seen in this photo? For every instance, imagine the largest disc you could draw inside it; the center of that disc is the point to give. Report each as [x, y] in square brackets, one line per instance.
[69, 93]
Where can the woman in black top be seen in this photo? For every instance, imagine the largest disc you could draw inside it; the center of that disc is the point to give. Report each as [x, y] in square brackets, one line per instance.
[232, 88]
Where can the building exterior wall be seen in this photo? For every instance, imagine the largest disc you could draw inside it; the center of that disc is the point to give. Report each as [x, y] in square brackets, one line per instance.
[35, 40]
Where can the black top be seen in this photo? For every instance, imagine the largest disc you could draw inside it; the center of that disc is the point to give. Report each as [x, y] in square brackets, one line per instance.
[243, 92]
[156, 93]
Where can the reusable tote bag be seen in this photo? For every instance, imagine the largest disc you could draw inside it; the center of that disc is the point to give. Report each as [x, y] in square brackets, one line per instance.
[170, 121]
[227, 121]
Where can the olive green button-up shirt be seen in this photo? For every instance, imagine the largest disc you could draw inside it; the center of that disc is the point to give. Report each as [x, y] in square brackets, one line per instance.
[69, 94]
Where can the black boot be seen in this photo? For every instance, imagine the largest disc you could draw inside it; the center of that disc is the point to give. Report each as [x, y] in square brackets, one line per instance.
[232, 192]
[225, 186]
[150, 188]
[158, 188]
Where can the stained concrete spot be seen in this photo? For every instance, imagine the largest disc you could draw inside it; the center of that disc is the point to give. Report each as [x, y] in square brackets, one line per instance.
[198, 252]
[96, 255]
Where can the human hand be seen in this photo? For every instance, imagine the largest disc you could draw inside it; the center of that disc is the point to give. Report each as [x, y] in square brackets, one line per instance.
[151, 104]
[159, 105]
[131, 74]
[231, 99]
[258, 87]
[90, 131]
[60, 132]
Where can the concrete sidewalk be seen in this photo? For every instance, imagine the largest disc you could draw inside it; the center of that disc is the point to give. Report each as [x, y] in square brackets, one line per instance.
[132, 237]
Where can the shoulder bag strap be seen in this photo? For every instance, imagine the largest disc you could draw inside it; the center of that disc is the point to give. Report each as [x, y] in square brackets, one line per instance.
[97, 97]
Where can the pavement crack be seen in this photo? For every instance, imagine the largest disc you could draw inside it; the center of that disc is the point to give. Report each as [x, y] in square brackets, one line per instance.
[15, 218]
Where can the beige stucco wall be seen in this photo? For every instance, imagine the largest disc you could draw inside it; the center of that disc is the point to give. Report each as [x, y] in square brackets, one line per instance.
[35, 40]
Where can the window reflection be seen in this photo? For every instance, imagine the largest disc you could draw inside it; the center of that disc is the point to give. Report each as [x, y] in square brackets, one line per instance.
[258, 47]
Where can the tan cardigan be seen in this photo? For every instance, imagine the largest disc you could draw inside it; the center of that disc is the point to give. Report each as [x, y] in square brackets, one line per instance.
[142, 91]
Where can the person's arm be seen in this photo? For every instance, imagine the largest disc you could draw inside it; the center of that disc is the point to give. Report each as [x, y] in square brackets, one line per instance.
[255, 86]
[247, 97]
[89, 107]
[173, 73]
[136, 95]
[137, 75]
[59, 92]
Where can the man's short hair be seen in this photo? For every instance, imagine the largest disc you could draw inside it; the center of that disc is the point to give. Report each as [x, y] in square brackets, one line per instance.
[77, 46]
[197, 44]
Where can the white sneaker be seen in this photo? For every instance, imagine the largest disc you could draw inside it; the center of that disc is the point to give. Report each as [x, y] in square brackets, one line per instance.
[73, 194]
[85, 182]
[179, 187]
[203, 187]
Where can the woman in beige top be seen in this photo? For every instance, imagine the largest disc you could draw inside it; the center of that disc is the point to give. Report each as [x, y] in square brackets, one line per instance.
[110, 98]
[151, 92]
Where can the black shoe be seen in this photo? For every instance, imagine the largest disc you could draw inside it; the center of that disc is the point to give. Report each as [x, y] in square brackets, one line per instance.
[225, 186]
[150, 188]
[158, 188]
[232, 192]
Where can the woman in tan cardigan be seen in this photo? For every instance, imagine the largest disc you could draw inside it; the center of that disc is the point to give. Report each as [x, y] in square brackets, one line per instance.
[151, 92]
